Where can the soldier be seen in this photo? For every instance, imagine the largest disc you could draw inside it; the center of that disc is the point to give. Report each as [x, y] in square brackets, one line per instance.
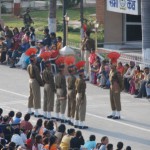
[80, 98]
[49, 90]
[27, 20]
[116, 86]
[71, 89]
[35, 81]
[61, 91]
[87, 45]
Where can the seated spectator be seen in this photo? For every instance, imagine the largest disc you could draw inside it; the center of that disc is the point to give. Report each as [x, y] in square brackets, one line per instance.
[21, 33]
[3, 50]
[31, 141]
[45, 141]
[1, 117]
[142, 90]
[135, 81]
[61, 131]
[7, 129]
[77, 141]
[17, 53]
[128, 148]
[46, 134]
[32, 34]
[104, 142]
[46, 40]
[50, 126]
[26, 125]
[17, 118]
[11, 115]
[17, 139]
[65, 142]
[52, 144]
[23, 135]
[147, 86]
[8, 32]
[11, 146]
[91, 144]
[38, 143]
[59, 43]
[38, 128]
[126, 67]
[26, 37]
[94, 71]
[128, 76]
[109, 147]
[119, 146]
[120, 68]
[53, 39]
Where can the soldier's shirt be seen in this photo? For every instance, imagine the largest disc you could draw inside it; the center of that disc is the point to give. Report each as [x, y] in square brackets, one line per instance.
[71, 82]
[60, 83]
[48, 78]
[34, 73]
[80, 86]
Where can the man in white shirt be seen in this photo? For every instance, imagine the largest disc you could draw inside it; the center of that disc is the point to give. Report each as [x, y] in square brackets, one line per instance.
[128, 75]
[17, 139]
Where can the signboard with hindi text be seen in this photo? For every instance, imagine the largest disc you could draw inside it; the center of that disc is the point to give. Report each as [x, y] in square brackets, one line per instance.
[123, 6]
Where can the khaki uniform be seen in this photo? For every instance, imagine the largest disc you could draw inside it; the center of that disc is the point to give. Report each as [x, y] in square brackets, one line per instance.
[116, 85]
[80, 100]
[61, 92]
[87, 45]
[35, 81]
[71, 95]
[49, 90]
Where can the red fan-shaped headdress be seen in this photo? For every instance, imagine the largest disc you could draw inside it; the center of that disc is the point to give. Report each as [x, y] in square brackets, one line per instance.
[60, 62]
[80, 66]
[114, 57]
[69, 61]
[31, 51]
[46, 55]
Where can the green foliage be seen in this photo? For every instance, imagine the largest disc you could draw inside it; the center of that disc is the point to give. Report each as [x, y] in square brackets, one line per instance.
[71, 3]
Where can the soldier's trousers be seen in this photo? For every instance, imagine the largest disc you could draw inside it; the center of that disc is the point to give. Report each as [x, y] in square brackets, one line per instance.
[34, 100]
[80, 107]
[71, 103]
[60, 102]
[115, 100]
[48, 105]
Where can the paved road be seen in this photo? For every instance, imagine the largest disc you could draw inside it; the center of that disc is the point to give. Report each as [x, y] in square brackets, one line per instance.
[133, 129]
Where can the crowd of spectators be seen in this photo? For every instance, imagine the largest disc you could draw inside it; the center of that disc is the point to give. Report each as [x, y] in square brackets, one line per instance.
[14, 43]
[20, 134]
[136, 80]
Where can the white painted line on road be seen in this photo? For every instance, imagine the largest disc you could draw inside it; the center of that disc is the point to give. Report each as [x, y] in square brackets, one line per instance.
[13, 93]
[117, 121]
[103, 118]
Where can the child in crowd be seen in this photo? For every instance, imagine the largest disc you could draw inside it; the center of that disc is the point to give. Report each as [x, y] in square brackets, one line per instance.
[91, 144]
[17, 118]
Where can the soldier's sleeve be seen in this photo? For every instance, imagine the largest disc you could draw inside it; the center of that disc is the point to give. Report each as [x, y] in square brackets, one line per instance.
[38, 77]
[53, 83]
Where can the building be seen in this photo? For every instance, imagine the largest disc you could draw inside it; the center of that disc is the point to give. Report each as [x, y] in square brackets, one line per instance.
[122, 23]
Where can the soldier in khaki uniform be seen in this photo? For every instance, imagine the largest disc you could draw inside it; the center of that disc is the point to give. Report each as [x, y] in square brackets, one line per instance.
[61, 90]
[87, 44]
[70, 60]
[49, 90]
[35, 81]
[116, 86]
[80, 98]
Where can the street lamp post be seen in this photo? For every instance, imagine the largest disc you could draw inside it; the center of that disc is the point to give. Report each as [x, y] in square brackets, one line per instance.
[67, 20]
[96, 25]
[64, 23]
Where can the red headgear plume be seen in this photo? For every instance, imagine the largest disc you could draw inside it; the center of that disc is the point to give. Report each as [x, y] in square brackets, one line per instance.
[60, 62]
[54, 54]
[113, 56]
[80, 66]
[31, 51]
[46, 55]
